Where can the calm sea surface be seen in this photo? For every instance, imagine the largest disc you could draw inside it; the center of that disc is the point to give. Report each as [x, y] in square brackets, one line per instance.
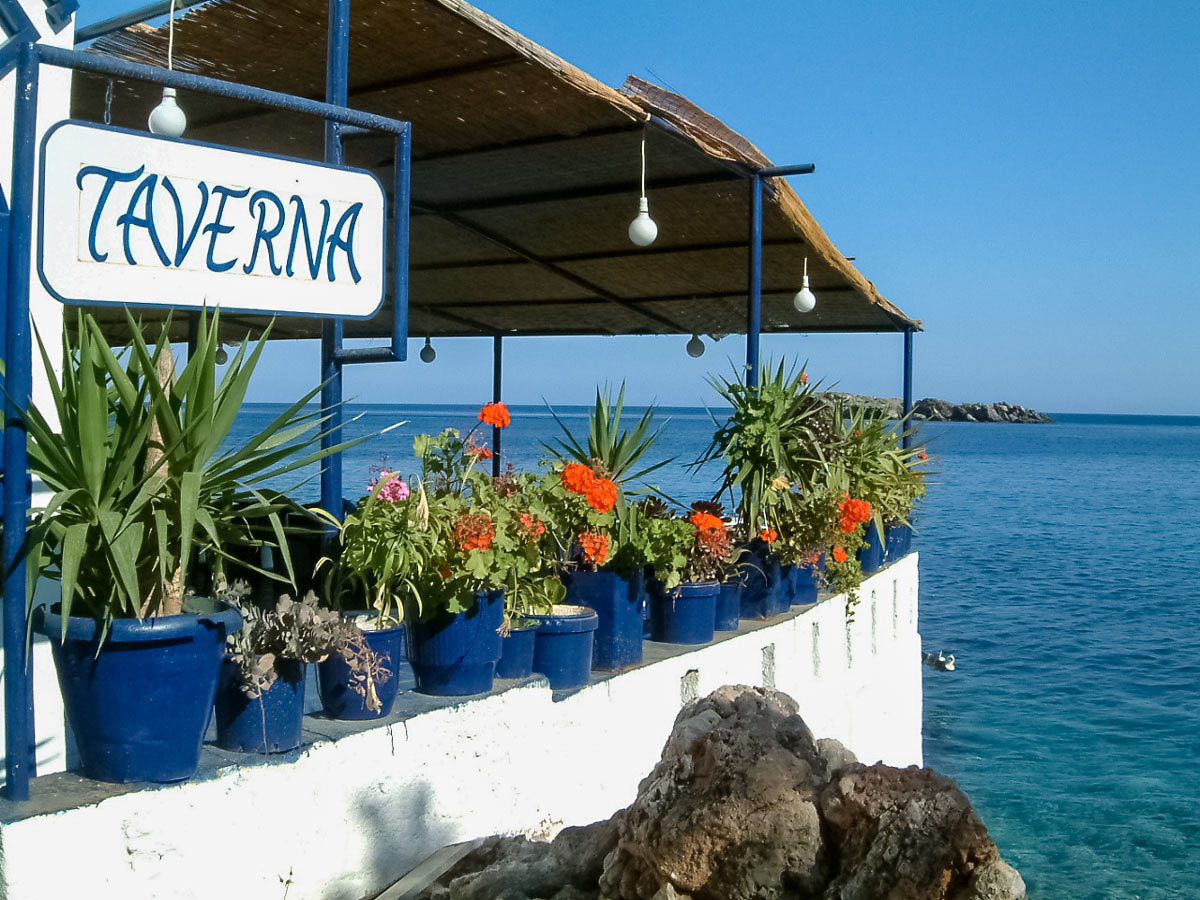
[1059, 564]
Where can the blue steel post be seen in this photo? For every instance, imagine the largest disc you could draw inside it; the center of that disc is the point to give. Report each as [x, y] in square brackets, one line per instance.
[336, 89]
[401, 190]
[754, 301]
[18, 668]
[497, 375]
[908, 377]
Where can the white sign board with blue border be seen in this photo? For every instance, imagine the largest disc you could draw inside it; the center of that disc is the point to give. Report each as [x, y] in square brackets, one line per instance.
[128, 217]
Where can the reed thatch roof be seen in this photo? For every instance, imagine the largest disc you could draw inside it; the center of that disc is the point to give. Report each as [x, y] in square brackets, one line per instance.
[525, 174]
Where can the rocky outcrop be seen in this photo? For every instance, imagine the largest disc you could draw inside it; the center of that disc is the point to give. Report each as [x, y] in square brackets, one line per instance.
[933, 410]
[745, 803]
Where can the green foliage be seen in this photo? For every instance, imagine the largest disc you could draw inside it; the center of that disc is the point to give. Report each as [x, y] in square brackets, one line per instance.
[138, 475]
[618, 453]
[846, 576]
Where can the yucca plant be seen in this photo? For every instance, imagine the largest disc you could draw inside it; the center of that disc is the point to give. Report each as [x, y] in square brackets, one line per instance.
[140, 476]
[619, 453]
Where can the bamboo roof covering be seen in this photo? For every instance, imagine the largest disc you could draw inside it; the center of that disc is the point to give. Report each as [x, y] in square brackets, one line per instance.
[524, 180]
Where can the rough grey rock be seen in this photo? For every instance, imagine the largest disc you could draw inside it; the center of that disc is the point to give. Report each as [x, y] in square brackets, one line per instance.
[934, 410]
[744, 803]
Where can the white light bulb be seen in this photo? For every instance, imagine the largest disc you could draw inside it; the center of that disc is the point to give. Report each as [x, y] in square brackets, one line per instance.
[167, 118]
[805, 300]
[642, 230]
[428, 354]
[221, 356]
[695, 347]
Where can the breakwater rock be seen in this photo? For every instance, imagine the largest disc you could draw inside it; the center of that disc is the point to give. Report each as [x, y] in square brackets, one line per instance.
[934, 410]
[745, 803]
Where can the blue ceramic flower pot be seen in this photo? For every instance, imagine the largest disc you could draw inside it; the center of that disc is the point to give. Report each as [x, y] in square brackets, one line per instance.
[870, 557]
[897, 542]
[139, 704]
[729, 606]
[455, 654]
[788, 578]
[618, 603]
[683, 615]
[807, 579]
[340, 700]
[269, 723]
[516, 652]
[563, 646]
[762, 595]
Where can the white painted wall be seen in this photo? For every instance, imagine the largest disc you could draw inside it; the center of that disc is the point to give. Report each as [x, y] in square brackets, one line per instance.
[54, 96]
[349, 817]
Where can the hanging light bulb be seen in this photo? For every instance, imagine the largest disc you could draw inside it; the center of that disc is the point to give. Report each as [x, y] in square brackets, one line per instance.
[167, 118]
[221, 356]
[695, 347]
[428, 354]
[643, 230]
[805, 300]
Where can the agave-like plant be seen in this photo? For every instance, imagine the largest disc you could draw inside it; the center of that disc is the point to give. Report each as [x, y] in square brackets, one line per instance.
[140, 476]
[620, 453]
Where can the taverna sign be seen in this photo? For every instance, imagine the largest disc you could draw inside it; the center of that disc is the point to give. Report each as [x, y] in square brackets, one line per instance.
[127, 217]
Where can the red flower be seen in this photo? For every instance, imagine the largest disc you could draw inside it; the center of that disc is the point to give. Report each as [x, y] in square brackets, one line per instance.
[594, 546]
[474, 531]
[803, 378]
[839, 554]
[445, 572]
[532, 525]
[852, 512]
[770, 535]
[706, 521]
[601, 495]
[713, 542]
[478, 451]
[576, 478]
[495, 414]
[922, 455]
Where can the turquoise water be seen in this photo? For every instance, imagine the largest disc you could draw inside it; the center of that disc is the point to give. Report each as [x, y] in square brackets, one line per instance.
[1058, 563]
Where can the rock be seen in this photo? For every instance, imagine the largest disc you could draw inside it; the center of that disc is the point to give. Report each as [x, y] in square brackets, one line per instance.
[934, 410]
[745, 803]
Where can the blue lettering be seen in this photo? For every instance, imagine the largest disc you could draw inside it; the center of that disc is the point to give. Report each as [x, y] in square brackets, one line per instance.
[111, 177]
[265, 235]
[216, 229]
[301, 221]
[129, 219]
[183, 245]
[349, 219]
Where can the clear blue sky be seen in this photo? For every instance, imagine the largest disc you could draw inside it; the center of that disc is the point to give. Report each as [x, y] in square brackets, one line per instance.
[1023, 176]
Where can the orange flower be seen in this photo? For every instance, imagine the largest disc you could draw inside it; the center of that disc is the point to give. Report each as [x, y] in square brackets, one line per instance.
[577, 478]
[922, 455]
[839, 554]
[852, 512]
[474, 531]
[532, 525]
[706, 521]
[495, 414]
[595, 547]
[770, 535]
[601, 495]
[478, 451]
[803, 378]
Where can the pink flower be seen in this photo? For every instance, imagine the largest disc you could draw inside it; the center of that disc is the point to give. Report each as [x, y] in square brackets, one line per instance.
[394, 490]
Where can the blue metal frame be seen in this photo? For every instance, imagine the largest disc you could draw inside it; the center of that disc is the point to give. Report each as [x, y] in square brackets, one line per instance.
[18, 29]
[497, 376]
[19, 735]
[754, 298]
[906, 439]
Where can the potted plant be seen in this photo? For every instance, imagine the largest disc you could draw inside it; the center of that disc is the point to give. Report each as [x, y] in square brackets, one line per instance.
[141, 481]
[684, 597]
[806, 527]
[603, 469]
[260, 701]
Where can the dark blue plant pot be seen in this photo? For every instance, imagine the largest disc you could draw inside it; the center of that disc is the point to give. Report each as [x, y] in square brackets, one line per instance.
[788, 578]
[455, 654]
[333, 678]
[683, 615]
[870, 557]
[762, 595]
[808, 579]
[270, 723]
[729, 606]
[897, 542]
[140, 706]
[516, 652]
[618, 603]
[563, 646]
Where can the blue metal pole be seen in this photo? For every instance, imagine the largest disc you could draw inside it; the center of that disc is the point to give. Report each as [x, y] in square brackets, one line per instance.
[401, 197]
[497, 374]
[754, 302]
[18, 668]
[908, 379]
[336, 90]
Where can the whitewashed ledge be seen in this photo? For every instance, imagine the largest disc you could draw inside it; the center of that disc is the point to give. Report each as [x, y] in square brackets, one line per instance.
[361, 803]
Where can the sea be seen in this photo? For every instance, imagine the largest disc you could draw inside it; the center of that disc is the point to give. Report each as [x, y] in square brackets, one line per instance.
[1058, 563]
